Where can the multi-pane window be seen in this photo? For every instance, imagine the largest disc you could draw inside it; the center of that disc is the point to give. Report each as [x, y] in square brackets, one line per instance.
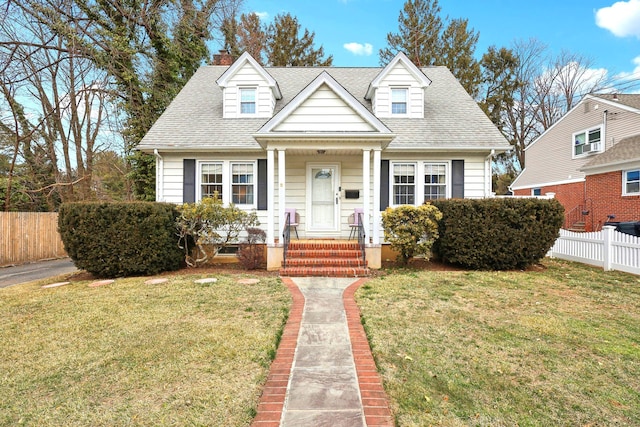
[211, 180]
[399, 101]
[230, 181]
[586, 142]
[435, 181]
[247, 101]
[404, 183]
[242, 183]
[632, 182]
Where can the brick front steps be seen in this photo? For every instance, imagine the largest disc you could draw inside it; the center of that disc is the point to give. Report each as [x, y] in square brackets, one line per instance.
[324, 259]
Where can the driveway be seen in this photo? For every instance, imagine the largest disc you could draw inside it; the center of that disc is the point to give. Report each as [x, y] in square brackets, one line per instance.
[35, 271]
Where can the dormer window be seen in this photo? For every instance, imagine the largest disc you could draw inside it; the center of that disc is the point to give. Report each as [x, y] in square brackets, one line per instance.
[248, 100]
[399, 100]
[587, 142]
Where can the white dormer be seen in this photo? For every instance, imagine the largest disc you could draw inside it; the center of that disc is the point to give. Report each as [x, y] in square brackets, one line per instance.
[398, 91]
[248, 90]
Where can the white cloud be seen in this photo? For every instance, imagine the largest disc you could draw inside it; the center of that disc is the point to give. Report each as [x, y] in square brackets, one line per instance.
[622, 18]
[359, 49]
[262, 15]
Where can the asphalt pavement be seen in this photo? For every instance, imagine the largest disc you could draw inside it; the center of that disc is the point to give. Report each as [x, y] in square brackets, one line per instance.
[35, 271]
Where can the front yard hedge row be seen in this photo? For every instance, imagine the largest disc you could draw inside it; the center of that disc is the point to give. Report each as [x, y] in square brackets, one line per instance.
[497, 233]
[120, 239]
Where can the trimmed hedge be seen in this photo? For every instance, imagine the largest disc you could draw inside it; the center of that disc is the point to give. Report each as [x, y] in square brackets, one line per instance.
[497, 233]
[121, 239]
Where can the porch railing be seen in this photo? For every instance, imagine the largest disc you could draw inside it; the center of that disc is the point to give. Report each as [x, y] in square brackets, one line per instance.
[286, 237]
[579, 215]
[361, 238]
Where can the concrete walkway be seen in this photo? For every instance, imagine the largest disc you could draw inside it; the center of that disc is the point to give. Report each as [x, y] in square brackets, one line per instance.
[323, 373]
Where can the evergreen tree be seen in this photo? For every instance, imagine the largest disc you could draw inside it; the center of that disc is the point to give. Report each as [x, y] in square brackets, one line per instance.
[419, 34]
[285, 47]
[457, 54]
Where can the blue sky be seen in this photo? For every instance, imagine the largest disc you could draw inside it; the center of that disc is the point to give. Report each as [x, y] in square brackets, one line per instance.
[606, 31]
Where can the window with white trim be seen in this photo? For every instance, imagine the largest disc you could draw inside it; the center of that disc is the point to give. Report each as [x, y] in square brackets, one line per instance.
[435, 181]
[404, 183]
[232, 181]
[242, 183]
[248, 100]
[536, 191]
[211, 180]
[631, 183]
[399, 100]
[587, 141]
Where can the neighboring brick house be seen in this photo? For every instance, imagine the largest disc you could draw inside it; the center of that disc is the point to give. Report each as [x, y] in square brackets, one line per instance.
[590, 159]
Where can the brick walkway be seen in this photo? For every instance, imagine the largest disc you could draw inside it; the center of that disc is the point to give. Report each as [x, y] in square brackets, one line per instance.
[323, 373]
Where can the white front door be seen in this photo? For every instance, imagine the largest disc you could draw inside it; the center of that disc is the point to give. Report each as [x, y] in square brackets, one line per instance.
[323, 197]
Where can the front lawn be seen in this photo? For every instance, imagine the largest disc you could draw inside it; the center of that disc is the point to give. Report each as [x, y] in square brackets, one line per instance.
[555, 347]
[130, 353]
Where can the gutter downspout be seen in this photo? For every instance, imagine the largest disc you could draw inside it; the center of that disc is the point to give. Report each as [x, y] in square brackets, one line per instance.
[159, 175]
[488, 176]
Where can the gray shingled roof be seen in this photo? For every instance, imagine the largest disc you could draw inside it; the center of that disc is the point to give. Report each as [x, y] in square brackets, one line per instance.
[194, 119]
[627, 150]
[631, 100]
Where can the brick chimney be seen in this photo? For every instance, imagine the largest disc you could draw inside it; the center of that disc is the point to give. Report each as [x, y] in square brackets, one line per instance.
[222, 58]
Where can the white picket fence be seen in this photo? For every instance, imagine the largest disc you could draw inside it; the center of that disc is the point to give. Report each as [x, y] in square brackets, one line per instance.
[608, 249]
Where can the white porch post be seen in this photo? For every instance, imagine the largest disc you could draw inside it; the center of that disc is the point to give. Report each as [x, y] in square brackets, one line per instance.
[281, 192]
[270, 197]
[366, 189]
[376, 197]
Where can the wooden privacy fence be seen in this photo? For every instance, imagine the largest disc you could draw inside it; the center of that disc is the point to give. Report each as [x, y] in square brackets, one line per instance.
[29, 236]
[609, 249]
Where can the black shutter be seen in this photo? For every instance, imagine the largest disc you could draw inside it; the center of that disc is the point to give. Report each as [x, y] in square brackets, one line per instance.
[384, 184]
[262, 184]
[189, 181]
[457, 179]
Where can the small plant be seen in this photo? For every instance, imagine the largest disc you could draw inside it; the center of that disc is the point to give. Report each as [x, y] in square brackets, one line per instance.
[205, 227]
[251, 252]
[411, 230]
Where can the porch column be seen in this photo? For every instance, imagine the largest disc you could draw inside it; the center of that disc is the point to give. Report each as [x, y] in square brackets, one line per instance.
[281, 192]
[270, 196]
[376, 197]
[366, 189]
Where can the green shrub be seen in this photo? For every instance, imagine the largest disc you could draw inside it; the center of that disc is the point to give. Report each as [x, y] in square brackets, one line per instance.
[498, 233]
[120, 239]
[411, 230]
[208, 224]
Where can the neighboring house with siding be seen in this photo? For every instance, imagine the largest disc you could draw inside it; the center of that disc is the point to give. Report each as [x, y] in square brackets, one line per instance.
[590, 159]
[322, 140]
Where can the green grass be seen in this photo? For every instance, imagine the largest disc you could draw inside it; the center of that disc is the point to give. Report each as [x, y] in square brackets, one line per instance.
[555, 347]
[132, 354]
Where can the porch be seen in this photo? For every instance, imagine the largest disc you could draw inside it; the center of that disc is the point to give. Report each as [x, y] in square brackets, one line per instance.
[325, 200]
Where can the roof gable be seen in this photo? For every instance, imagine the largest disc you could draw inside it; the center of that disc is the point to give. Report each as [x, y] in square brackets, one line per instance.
[331, 104]
[247, 60]
[606, 99]
[400, 60]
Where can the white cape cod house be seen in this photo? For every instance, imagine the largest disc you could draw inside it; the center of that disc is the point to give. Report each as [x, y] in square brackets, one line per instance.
[323, 141]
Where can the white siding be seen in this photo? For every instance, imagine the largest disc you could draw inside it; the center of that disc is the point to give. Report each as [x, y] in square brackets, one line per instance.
[247, 76]
[324, 111]
[399, 76]
[550, 159]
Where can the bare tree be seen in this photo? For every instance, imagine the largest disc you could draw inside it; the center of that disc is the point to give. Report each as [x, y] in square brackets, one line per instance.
[59, 108]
